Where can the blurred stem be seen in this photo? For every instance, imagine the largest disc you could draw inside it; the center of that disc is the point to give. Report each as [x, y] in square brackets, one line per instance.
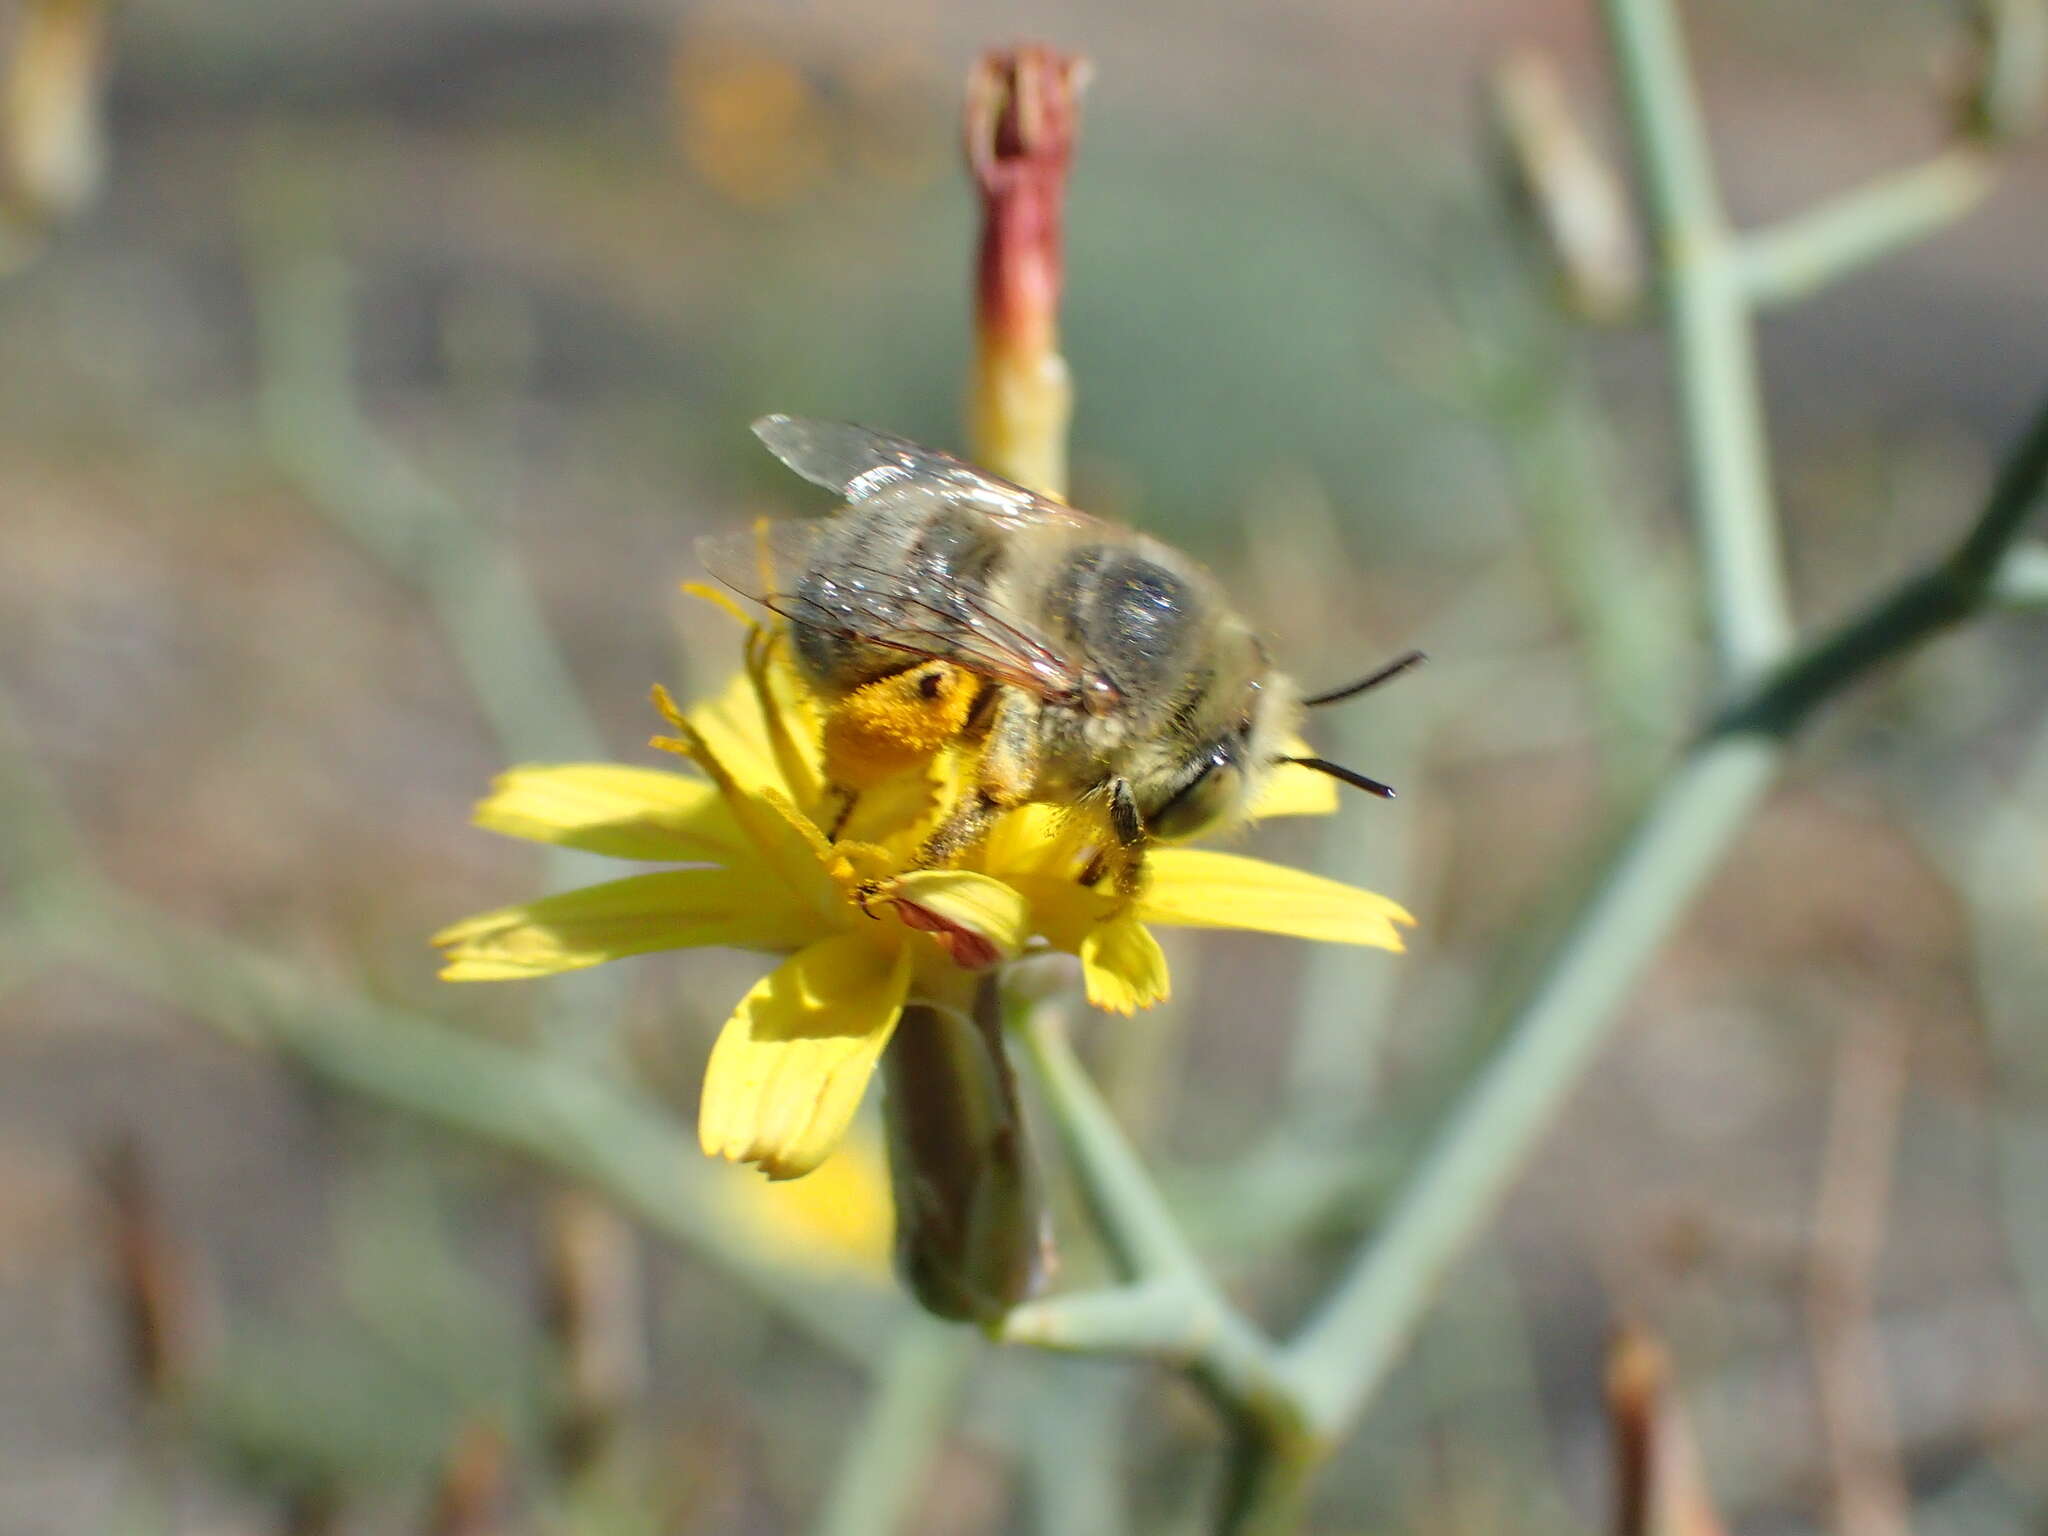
[1173, 1308]
[1713, 358]
[315, 430]
[1076, 1428]
[572, 1121]
[1344, 1352]
[2001, 873]
[882, 1464]
[1947, 593]
[2023, 578]
[1791, 260]
[1615, 593]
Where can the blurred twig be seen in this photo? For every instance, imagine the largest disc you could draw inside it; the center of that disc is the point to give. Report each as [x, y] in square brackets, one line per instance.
[573, 1120]
[2023, 577]
[916, 1385]
[471, 1493]
[154, 1283]
[1713, 358]
[1867, 1484]
[1787, 262]
[1658, 1489]
[52, 144]
[591, 1291]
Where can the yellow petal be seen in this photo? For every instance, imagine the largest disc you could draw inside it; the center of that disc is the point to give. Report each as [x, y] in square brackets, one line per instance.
[1292, 790]
[792, 1063]
[784, 840]
[611, 808]
[674, 909]
[1201, 889]
[1123, 965]
[979, 920]
[762, 725]
[734, 729]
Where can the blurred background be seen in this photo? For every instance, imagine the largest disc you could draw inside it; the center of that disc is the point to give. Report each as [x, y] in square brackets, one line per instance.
[354, 430]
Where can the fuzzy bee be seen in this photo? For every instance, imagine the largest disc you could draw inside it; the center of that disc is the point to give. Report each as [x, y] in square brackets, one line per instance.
[1083, 662]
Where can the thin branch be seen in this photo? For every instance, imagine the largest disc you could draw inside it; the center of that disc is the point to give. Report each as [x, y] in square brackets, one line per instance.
[1142, 1233]
[1340, 1358]
[1936, 599]
[2023, 578]
[1858, 1425]
[1343, 1354]
[574, 1121]
[882, 1462]
[1713, 356]
[1190, 1323]
[1791, 260]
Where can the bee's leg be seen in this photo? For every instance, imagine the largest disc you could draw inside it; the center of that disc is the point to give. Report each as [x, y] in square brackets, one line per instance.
[842, 800]
[1129, 828]
[1004, 776]
[960, 832]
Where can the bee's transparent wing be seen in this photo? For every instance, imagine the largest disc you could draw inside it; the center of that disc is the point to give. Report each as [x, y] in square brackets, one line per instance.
[900, 610]
[866, 466]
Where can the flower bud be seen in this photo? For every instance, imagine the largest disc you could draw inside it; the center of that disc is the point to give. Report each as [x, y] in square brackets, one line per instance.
[971, 1226]
[1022, 110]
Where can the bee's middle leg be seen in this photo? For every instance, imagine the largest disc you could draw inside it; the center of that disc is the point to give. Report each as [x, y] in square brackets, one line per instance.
[1128, 857]
[1005, 775]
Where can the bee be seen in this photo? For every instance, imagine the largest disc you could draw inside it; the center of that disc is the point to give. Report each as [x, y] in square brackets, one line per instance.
[1085, 663]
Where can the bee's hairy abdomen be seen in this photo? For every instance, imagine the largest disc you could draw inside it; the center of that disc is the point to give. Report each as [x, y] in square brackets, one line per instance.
[917, 567]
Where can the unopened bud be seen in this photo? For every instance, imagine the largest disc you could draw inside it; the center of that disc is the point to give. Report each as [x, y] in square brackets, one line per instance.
[1022, 111]
[971, 1235]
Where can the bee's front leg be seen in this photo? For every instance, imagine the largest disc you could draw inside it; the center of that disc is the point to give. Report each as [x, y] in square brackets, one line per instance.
[1129, 827]
[1005, 775]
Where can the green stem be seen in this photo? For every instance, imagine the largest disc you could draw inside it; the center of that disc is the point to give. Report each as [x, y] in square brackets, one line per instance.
[1220, 1347]
[1713, 357]
[1931, 601]
[1346, 1349]
[1792, 260]
[1142, 1234]
[882, 1464]
[1344, 1352]
[2023, 578]
[574, 1121]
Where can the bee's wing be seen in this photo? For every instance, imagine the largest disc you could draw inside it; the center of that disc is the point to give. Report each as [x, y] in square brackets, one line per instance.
[897, 609]
[867, 466]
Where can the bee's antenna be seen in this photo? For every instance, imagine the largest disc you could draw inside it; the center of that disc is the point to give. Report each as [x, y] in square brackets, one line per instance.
[1390, 671]
[1350, 776]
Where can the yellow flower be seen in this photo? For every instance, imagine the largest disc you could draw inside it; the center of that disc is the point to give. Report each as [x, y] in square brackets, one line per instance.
[864, 930]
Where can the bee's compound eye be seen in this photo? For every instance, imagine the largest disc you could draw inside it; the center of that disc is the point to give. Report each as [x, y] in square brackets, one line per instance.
[1212, 792]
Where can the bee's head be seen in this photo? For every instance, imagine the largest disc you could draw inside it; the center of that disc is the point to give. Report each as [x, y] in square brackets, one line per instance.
[1215, 781]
